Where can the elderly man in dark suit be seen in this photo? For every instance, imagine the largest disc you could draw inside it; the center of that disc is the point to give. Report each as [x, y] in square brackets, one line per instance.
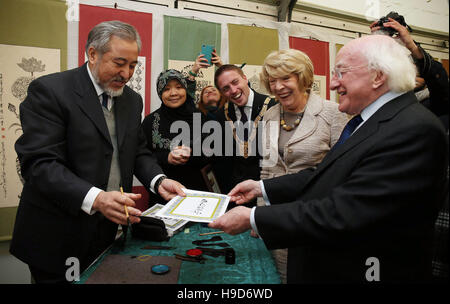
[244, 108]
[366, 212]
[81, 142]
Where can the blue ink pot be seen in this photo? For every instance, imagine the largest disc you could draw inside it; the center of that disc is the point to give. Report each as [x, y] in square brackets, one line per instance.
[160, 269]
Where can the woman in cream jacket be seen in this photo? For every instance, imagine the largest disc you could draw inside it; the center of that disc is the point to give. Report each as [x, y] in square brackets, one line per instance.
[301, 129]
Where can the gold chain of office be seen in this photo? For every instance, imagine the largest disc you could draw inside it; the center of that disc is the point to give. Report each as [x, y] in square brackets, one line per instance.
[243, 144]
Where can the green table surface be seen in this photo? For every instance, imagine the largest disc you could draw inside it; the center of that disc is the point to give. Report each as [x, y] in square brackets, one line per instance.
[254, 263]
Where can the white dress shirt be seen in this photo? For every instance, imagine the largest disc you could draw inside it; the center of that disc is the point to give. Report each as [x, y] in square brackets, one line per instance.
[247, 108]
[90, 197]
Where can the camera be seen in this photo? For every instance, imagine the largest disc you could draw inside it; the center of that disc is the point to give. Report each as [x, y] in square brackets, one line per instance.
[390, 31]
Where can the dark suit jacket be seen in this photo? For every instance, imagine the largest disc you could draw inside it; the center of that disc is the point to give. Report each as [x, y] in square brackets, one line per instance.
[436, 79]
[232, 170]
[65, 150]
[376, 195]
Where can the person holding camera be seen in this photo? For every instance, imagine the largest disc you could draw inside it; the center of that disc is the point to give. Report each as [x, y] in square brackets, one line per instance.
[210, 100]
[432, 92]
[431, 72]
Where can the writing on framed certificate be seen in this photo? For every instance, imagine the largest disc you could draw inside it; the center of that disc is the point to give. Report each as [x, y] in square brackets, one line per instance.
[196, 206]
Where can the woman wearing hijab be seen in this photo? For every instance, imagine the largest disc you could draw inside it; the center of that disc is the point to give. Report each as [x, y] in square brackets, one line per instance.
[175, 158]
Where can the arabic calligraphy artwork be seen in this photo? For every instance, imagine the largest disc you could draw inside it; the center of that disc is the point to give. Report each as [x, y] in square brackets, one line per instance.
[252, 72]
[19, 66]
[197, 206]
[319, 86]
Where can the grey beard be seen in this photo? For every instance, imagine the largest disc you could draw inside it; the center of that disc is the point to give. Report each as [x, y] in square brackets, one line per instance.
[113, 93]
[109, 91]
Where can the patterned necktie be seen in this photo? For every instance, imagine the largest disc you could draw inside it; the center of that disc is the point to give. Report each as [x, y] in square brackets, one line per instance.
[244, 119]
[105, 100]
[348, 130]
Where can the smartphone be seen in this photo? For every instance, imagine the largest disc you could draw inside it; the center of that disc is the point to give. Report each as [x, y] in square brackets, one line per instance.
[207, 51]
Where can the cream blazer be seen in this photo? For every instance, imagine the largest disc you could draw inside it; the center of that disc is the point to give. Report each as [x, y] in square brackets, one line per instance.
[319, 130]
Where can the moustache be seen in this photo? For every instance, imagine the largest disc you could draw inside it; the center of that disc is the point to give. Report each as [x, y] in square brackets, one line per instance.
[119, 78]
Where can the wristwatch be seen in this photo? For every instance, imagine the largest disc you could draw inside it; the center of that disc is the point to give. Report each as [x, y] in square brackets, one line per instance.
[158, 183]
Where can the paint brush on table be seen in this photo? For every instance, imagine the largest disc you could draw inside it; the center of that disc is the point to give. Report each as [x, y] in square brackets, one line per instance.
[208, 233]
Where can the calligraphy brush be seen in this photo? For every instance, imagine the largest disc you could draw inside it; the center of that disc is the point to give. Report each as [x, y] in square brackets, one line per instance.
[125, 228]
[126, 210]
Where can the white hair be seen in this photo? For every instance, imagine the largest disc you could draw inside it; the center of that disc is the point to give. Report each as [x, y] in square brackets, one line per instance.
[394, 60]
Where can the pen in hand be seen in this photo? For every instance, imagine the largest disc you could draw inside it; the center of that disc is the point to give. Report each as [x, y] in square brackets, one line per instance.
[126, 210]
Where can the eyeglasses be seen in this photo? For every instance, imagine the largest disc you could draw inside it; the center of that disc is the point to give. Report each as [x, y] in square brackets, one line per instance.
[337, 71]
